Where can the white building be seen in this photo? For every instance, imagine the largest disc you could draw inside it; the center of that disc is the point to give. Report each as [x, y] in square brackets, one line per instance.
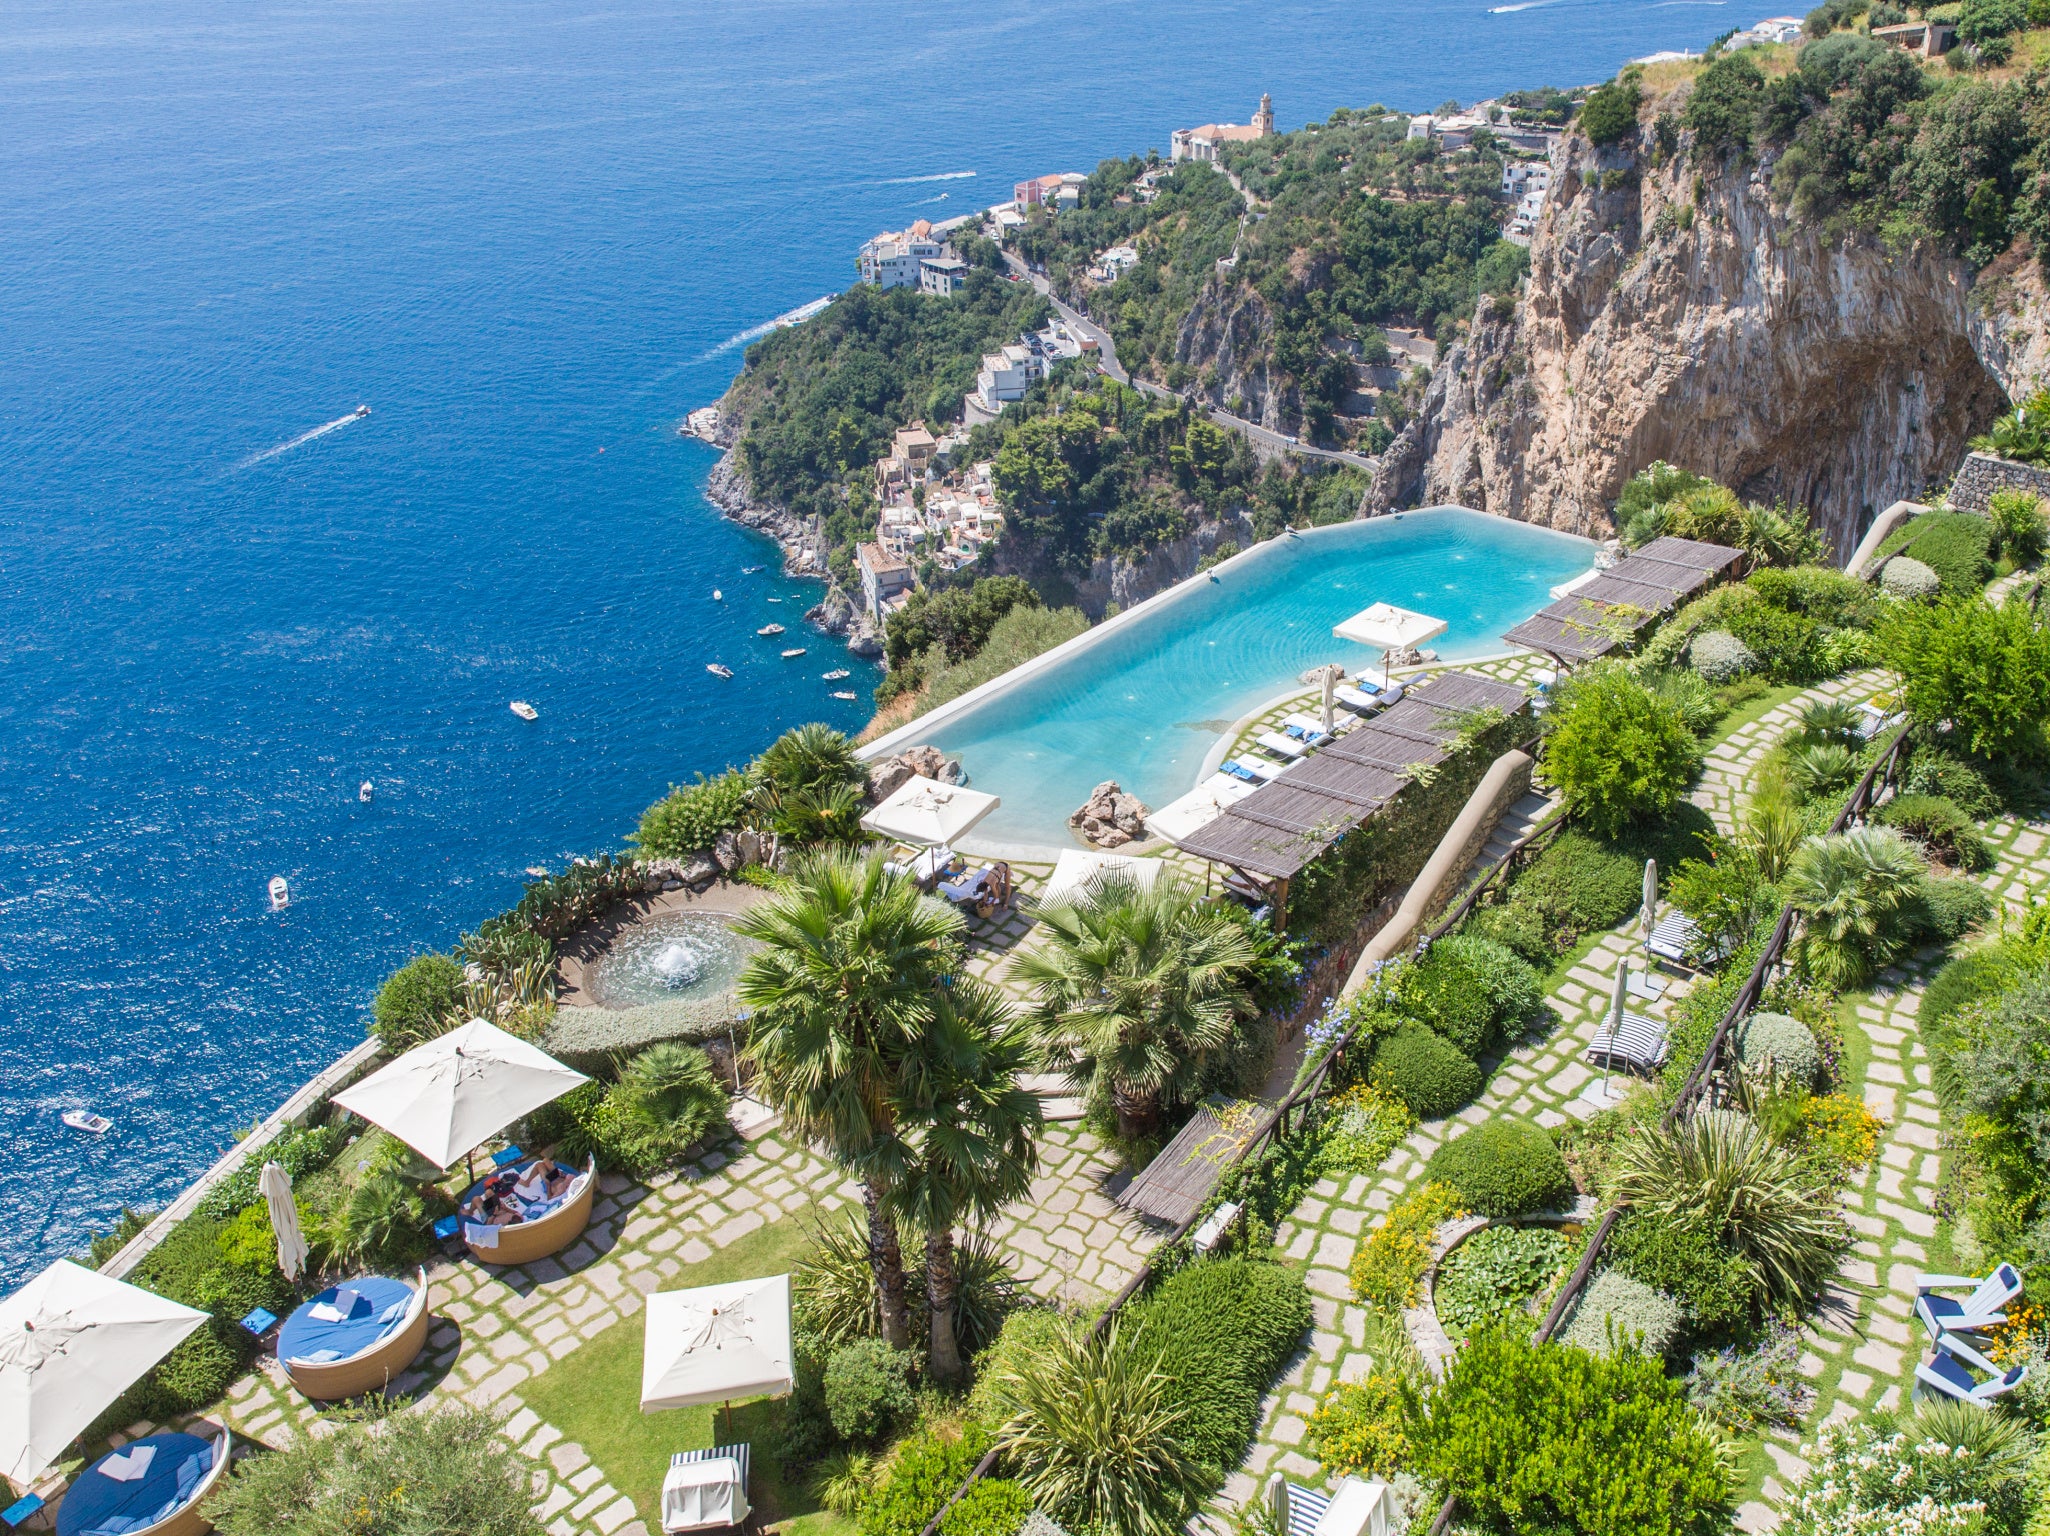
[1006, 375]
[1452, 130]
[942, 275]
[1116, 262]
[886, 581]
[1203, 143]
[1774, 29]
[1005, 221]
[892, 258]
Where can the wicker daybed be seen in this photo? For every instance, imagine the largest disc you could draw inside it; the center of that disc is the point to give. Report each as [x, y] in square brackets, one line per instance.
[94, 1500]
[395, 1345]
[521, 1242]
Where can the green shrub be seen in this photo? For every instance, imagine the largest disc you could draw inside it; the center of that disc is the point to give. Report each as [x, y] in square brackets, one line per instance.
[1582, 885]
[299, 1150]
[922, 1476]
[1941, 826]
[1517, 926]
[1026, 1333]
[1610, 111]
[1616, 751]
[1691, 696]
[1944, 911]
[1359, 1427]
[194, 1376]
[1503, 1167]
[421, 999]
[1495, 1272]
[1221, 1329]
[1821, 769]
[1616, 1310]
[1544, 1438]
[625, 1126]
[1969, 978]
[1426, 1071]
[1714, 1287]
[1827, 596]
[1788, 644]
[1777, 1044]
[1388, 1266]
[996, 1506]
[2018, 526]
[382, 1224]
[591, 1039]
[691, 816]
[1719, 656]
[1957, 546]
[1472, 991]
[404, 1475]
[1908, 579]
[868, 1390]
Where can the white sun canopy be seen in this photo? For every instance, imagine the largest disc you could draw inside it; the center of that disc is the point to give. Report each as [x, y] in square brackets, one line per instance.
[717, 1343]
[1077, 872]
[451, 1095]
[1199, 807]
[1390, 628]
[71, 1341]
[924, 810]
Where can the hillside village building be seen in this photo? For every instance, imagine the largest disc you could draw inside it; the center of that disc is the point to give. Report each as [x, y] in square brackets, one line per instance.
[1203, 143]
[895, 259]
[1061, 190]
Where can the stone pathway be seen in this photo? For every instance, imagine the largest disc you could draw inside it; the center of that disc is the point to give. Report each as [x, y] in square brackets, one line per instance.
[494, 1330]
[1733, 762]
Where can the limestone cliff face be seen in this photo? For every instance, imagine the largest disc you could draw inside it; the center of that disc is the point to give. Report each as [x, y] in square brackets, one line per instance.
[1230, 328]
[1670, 317]
[1124, 581]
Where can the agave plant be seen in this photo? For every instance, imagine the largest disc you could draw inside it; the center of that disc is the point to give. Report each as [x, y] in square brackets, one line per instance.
[1848, 889]
[1094, 1429]
[1781, 535]
[1722, 1171]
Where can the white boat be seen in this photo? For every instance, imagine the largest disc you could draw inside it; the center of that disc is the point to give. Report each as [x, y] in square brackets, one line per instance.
[716, 670]
[280, 893]
[770, 629]
[86, 1120]
[362, 410]
[718, 596]
[843, 693]
[773, 599]
[749, 570]
[538, 871]
[794, 651]
[524, 710]
[833, 676]
[365, 790]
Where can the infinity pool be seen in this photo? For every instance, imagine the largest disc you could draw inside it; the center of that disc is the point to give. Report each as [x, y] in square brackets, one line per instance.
[1142, 699]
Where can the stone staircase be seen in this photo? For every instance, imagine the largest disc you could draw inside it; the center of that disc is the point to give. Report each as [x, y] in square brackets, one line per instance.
[1516, 823]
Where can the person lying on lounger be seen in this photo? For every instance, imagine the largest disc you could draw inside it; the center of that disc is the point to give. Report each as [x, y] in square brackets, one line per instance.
[545, 1180]
[487, 1210]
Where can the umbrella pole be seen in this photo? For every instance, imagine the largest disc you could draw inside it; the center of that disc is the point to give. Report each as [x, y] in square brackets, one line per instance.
[469, 1167]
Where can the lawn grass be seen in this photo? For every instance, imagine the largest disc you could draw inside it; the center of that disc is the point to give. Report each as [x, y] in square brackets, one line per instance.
[593, 1396]
[1754, 709]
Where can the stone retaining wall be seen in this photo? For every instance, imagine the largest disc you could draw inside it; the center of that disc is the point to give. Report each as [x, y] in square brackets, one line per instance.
[1982, 474]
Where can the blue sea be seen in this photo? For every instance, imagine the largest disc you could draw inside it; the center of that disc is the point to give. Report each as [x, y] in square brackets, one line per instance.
[530, 235]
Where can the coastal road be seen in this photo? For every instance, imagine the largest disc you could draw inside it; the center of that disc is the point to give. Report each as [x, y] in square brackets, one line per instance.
[1107, 353]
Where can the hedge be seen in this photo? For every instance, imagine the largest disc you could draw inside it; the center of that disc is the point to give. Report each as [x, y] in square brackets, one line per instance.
[1223, 1329]
[1473, 991]
[1503, 1167]
[1716, 1288]
[1957, 546]
[1430, 1074]
[922, 1476]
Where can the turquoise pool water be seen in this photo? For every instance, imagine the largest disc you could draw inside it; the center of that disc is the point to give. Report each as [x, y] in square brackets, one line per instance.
[1144, 704]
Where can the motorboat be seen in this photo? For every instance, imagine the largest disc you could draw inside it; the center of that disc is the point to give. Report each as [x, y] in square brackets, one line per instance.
[538, 871]
[365, 790]
[833, 676]
[362, 410]
[793, 652]
[716, 670]
[749, 570]
[280, 893]
[769, 629]
[718, 596]
[844, 693]
[86, 1120]
[525, 710]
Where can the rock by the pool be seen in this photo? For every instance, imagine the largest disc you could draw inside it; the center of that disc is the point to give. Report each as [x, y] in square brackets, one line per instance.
[1110, 818]
[924, 762]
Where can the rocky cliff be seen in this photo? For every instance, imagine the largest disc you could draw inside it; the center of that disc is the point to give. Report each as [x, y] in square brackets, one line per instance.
[1680, 316]
[836, 613]
[1229, 328]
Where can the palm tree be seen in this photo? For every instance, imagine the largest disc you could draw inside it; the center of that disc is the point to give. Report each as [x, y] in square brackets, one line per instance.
[809, 757]
[1848, 888]
[1140, 987]
[971, 1127]
[841, 994]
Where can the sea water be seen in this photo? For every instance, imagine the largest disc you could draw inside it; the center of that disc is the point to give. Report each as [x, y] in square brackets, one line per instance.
[530, 235]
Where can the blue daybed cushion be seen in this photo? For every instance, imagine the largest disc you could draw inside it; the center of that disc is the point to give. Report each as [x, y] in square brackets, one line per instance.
[97, 1505]
[379, 1307]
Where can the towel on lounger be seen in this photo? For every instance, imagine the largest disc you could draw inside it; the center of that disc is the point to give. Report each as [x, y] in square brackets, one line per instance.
[480, 1234]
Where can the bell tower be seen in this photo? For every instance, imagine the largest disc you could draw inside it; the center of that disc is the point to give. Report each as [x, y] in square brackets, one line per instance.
[1263, 120]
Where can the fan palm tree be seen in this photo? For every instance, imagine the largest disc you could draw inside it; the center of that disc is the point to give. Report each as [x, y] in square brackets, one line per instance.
[1140, 987]
[841, 994]
[970, 1126]
[814, 757]
[1847, 889]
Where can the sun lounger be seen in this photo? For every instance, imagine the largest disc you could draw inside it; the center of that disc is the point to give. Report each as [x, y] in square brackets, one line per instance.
[1674, 938]
[1306, 728]
[1984, 1308]
[1356, 700]
[1636, 1041]
[1872, 720]
[693, 1504]
[1949, 1374]
[1251, 769]
[1280, 745]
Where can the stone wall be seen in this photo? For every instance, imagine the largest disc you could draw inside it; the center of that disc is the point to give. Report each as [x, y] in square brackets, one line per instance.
[1982, 474]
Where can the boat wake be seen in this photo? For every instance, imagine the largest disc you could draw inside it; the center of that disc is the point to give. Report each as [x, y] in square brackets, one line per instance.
[912, 181]
[1524, 5]
[305, 437]
[797, 316]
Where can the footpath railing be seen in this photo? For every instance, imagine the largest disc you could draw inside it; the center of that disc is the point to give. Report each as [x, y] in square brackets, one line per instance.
[1877, 779]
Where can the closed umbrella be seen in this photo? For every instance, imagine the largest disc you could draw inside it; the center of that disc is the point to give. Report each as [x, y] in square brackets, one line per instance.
[1616, 996]
[284, 1219]
[1330, 684]
[1650, 911]
[448, 1097]
[72, 1341]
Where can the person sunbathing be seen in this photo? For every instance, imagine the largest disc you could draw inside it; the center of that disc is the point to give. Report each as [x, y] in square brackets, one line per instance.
[487, 1210]
[545, 1180]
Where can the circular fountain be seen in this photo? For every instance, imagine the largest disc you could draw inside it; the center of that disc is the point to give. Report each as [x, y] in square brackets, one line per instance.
[668, 957]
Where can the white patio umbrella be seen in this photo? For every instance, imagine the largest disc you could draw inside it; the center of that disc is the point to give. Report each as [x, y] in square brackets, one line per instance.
[1076, 872]
[448, 1097]
[923, 810]
[1330, 686]
[71, 1341]
[284, 1219]
[716, 1343]
[1390, 629]
[1616, 997]
[1650, 910]
[1198, 808]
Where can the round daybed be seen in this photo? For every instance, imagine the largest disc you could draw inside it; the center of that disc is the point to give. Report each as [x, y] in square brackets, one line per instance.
[155, 1493]
[559, 1224]
[355, 1337]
